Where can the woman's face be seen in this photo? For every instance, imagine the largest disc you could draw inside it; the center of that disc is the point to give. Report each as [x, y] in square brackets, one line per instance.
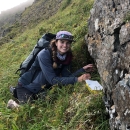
[63, 46]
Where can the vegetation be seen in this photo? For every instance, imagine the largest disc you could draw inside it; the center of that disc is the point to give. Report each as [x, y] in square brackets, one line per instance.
[66, 108]
[127, 17]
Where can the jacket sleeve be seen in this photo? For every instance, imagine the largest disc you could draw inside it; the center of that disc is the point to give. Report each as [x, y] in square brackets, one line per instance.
[66, 71]
[45, 63]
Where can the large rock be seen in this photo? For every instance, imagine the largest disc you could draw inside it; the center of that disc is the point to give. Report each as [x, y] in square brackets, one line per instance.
[108, 42]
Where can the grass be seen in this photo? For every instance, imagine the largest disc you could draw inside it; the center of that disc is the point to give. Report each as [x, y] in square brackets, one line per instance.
[127, 17]
[64, 108]
[69, 107]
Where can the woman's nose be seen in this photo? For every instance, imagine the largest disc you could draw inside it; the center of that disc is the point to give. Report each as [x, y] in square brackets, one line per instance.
[65, 44]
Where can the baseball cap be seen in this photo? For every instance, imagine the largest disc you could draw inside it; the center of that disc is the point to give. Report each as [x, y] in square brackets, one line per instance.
[64, 35]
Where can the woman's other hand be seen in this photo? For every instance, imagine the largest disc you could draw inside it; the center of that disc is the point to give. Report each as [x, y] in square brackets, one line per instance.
[89, 68]
[84, 77]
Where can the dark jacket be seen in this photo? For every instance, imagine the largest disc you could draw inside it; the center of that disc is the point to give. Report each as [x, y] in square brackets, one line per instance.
[46, 75]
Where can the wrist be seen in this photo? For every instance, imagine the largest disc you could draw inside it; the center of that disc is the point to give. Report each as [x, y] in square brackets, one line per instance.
[84, 68]
[80, 79]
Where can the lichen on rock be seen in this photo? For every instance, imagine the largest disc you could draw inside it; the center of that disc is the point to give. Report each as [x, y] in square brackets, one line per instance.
[108, 42]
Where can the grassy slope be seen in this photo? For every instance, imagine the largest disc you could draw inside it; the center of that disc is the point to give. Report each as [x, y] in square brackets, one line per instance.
[66, 108]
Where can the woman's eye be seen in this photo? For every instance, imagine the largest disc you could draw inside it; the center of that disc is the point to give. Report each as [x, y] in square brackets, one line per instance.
[65, 42]
[68, 43]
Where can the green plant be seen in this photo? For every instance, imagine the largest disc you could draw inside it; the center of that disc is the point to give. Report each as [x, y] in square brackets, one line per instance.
[65, 4]
[42, 31]
[127, 17]
[99, 116]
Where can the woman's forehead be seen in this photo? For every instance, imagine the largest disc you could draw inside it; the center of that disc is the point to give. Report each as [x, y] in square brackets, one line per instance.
[64, 40]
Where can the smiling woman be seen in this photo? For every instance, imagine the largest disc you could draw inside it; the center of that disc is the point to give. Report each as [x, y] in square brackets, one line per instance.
[7, 4]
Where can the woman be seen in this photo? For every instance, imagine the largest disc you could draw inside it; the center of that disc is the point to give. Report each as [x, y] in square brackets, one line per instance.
[54, 64]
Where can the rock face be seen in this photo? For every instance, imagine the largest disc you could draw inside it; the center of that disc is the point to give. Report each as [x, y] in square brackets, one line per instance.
[108, 42]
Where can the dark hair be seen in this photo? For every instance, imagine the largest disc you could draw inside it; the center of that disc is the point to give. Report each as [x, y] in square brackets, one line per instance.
[54, 52]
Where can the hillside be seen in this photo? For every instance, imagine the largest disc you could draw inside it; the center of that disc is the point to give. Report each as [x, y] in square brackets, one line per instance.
[8, 17]
[29, 18]
[67, 108]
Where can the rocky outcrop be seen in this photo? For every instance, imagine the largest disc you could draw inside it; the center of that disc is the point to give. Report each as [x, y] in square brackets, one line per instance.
[108, 42]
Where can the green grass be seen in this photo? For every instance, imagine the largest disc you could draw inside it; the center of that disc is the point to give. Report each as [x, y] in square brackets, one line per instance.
[69, 107]
[127, 17]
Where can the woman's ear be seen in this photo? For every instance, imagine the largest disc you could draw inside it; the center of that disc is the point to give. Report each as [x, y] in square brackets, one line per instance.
[56, 42]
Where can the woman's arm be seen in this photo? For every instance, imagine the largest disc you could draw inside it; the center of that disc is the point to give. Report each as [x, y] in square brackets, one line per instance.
[66, 71]
[45, 63]
[87, 68]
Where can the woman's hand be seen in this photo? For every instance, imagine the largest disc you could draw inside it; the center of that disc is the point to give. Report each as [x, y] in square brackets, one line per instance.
[84, 77]
[89, 68]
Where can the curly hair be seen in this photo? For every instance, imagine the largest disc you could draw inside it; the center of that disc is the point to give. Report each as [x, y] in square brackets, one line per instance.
[54, 52]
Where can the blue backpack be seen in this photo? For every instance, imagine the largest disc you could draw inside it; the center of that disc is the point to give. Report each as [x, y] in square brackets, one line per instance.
[42, 43]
